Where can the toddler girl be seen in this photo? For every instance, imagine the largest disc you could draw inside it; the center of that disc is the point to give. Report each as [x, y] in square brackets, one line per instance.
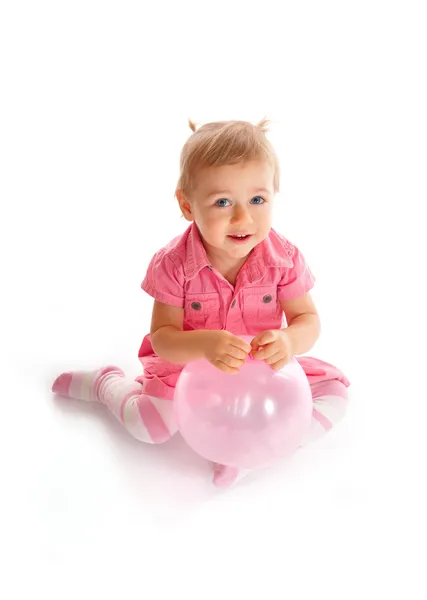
[229, 274]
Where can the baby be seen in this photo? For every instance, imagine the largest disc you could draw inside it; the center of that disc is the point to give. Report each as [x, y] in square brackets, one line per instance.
[229, 274]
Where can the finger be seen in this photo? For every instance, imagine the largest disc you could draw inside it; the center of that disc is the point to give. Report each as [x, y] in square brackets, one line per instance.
[241, 344]
[266, 337]
[274, 358]
[232, 361]
[255, 343]
[266, 353]
[279, 365]
[237, 353]
[225, 368]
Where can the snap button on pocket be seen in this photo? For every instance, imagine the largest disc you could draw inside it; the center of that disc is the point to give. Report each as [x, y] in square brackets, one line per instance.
[196, 306]
[267, 298]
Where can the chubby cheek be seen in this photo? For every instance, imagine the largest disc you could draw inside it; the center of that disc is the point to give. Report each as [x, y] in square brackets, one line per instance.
[265, 223]
[214, 226]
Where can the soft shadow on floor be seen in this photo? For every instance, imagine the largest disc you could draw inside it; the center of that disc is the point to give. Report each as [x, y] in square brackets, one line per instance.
[169, 479]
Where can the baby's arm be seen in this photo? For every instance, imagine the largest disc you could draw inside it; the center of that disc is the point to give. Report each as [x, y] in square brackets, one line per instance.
[303, 323]
[221, 348]
[168, 338]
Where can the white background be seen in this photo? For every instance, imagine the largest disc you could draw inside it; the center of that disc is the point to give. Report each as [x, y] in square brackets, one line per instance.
[94, 101]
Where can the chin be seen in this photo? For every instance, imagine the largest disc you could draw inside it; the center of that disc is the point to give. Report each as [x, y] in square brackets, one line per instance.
[244, 250]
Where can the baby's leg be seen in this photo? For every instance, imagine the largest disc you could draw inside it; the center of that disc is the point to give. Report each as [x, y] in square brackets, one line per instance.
[224, 477]
[330, 401]
[147, 418]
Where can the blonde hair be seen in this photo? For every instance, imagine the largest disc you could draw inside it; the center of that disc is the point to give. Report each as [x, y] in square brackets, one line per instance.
[225, 143]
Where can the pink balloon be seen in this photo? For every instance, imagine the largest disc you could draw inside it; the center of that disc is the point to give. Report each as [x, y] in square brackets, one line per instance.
[247, 420]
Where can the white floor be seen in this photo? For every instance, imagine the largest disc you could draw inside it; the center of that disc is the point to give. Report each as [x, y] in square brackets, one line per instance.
[90, 512]
[93, 125]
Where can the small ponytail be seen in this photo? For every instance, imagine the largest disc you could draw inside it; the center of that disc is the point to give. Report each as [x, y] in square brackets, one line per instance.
[264, 124]
[192, 125]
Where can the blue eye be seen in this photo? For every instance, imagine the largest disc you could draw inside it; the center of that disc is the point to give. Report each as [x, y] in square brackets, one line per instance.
[221, 200]
[258, 198]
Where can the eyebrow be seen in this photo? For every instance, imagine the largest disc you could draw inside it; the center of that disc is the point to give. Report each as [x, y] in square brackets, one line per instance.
[224, 192]
[228, 193]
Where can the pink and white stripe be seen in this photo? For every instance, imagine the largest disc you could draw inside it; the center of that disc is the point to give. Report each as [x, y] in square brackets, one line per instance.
[151, 419]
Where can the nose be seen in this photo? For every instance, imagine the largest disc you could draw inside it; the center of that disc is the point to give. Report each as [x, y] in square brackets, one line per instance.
[241, 215]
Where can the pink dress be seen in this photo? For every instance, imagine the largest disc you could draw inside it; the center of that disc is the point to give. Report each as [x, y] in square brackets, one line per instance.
[180, 275]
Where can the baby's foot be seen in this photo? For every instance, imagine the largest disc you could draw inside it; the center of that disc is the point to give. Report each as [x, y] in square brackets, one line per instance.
[83, 385]
[225, 477]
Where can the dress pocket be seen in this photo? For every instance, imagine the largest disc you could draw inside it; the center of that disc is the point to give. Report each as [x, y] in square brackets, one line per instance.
[261, 304]
[203, 311]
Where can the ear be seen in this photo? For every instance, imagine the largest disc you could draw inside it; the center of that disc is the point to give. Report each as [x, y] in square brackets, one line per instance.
[184, 205]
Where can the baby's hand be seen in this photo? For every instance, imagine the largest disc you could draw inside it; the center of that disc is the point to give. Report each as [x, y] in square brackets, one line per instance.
[276, 348]
[225, 351]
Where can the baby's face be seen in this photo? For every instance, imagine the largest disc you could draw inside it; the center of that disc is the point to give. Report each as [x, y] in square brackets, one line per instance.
[229, 200]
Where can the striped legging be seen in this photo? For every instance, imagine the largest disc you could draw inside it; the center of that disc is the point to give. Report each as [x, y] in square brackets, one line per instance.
[151, 419]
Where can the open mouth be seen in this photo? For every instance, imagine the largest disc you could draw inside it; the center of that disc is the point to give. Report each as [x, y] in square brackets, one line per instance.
[240, 237]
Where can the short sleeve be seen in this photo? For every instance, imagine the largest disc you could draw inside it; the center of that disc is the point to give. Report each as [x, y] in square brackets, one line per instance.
[163, 281]
[297, 280]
